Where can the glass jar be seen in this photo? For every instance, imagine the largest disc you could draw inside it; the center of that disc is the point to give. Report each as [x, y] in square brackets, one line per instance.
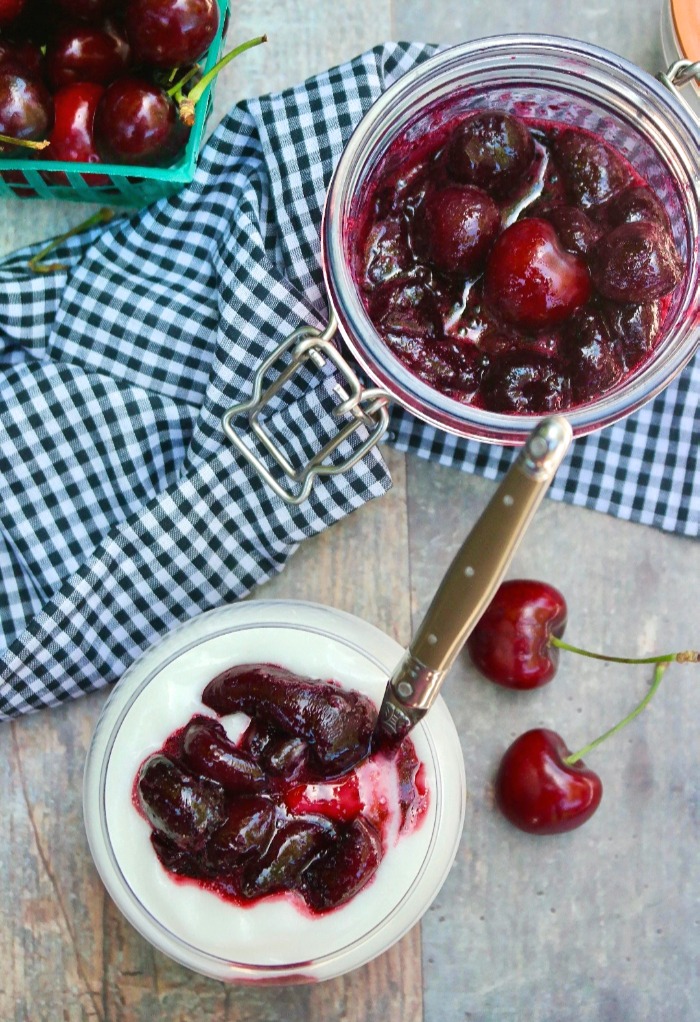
[543, 77]
[273, 941]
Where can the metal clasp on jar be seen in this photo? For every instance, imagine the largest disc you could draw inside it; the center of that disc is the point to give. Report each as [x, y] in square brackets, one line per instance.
[359, 406]
[681, 73]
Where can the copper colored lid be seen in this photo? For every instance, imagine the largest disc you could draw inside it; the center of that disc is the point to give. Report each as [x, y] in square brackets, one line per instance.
[686, 21]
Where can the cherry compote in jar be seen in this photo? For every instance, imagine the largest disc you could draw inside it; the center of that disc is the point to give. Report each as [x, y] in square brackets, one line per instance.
[210, 923]
[543, 81]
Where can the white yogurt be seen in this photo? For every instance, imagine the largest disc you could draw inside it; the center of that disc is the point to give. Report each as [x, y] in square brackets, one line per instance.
[276, 937]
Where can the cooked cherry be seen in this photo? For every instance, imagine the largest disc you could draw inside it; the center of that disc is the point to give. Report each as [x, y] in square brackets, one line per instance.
[137, 123]
[26, 107]
[510, 643]
[636, 262]
[336, 724]
[448, 365]
[286, 756]
[522, 381]
[575, 230]
[537, 791]
[385, 253]
[170, 33]
[591, 171]
[184, 807]
[246, 831]
[408, 311]
[208, 751]
[86, 53]
[175, 859]
[344, 868]
[455, 228]
[632, 205]
[291, 850]
[492, 150]
[593, 357]
[531, 279]
[634, 327]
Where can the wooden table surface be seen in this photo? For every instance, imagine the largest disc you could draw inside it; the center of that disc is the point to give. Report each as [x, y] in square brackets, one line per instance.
[600, 925]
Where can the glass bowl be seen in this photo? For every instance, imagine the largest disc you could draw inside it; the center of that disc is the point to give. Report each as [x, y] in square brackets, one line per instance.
[543, 77]
[272, 941]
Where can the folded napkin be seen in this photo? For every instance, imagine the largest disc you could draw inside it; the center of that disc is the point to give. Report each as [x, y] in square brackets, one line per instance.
[123, 508]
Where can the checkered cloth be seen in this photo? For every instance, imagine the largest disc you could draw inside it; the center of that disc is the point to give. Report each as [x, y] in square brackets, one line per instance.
[123, 509]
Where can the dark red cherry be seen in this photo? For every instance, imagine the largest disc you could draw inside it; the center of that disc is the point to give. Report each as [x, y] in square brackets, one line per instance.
[594, 359]
[170, 33]
[635, 328]
[86, 10]
[336, 724]
[385, 254]
[137, 123]
[492, 150]
[281, 866]
[531, 280]
[524, 382]
[455, 228]
[10, 10]
[246, 831]
[510, 643]
[184, 807]
[26, 107]
[86, 53]
[72, 137]
[540, 793]
[407, 311]
[592, 172]
[24, 52]
[344, 868]
[575, 230]
[208, 751]
[286, 756]
[632, 205]
[635, 262]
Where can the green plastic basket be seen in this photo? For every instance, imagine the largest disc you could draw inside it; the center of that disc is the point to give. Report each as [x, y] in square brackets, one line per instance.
[107, 183]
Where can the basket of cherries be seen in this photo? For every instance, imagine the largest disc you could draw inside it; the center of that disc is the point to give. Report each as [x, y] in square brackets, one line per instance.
[106, 100]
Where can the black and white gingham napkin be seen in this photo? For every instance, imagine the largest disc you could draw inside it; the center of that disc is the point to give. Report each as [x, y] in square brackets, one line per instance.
[123, 509]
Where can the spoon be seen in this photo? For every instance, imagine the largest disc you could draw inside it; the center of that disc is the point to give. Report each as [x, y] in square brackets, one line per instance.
[471, 580]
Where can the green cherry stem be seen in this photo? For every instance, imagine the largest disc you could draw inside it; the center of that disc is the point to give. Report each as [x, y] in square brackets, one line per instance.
[187, 104]
[687, 656]
[658, 675]
[25, 143]
[37, 264]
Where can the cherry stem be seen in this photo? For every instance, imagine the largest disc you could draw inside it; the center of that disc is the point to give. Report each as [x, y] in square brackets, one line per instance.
[687, 656]
[25, 143]
[658, 675]
[187, 104]
[102, 216]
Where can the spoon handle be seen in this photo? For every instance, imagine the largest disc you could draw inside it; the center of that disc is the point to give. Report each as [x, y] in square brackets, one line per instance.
[473, 577]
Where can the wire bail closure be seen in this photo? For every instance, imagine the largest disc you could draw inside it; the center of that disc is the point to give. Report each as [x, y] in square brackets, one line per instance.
[362, 407]
[681, 73]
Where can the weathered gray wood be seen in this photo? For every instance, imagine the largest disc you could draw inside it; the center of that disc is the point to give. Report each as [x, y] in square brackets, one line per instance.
[601, 925]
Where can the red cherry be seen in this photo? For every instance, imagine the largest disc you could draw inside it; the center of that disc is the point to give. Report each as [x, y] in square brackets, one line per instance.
[539, 792]
[86, 10]
[510, 643]
[591, 170]
[170, 33]
[636, 262]
[531, 280]
[456, 227]
[86, 53]
[26, 107]
[491, 149]
[137, 123]
[25, 52]
[71, 137]
[10, 10]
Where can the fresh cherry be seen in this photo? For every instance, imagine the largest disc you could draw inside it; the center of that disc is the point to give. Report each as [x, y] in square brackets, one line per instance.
[24, 52]
[455, 228]
[136, 122]
[10, 10]
[170, 33]
[87, 10]
[540, 789]
[636, 262]
[491, 149]
[86, 53]
[510, 644]
[72, 136]
[592, 172]
[531, 279]
[26, 107]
